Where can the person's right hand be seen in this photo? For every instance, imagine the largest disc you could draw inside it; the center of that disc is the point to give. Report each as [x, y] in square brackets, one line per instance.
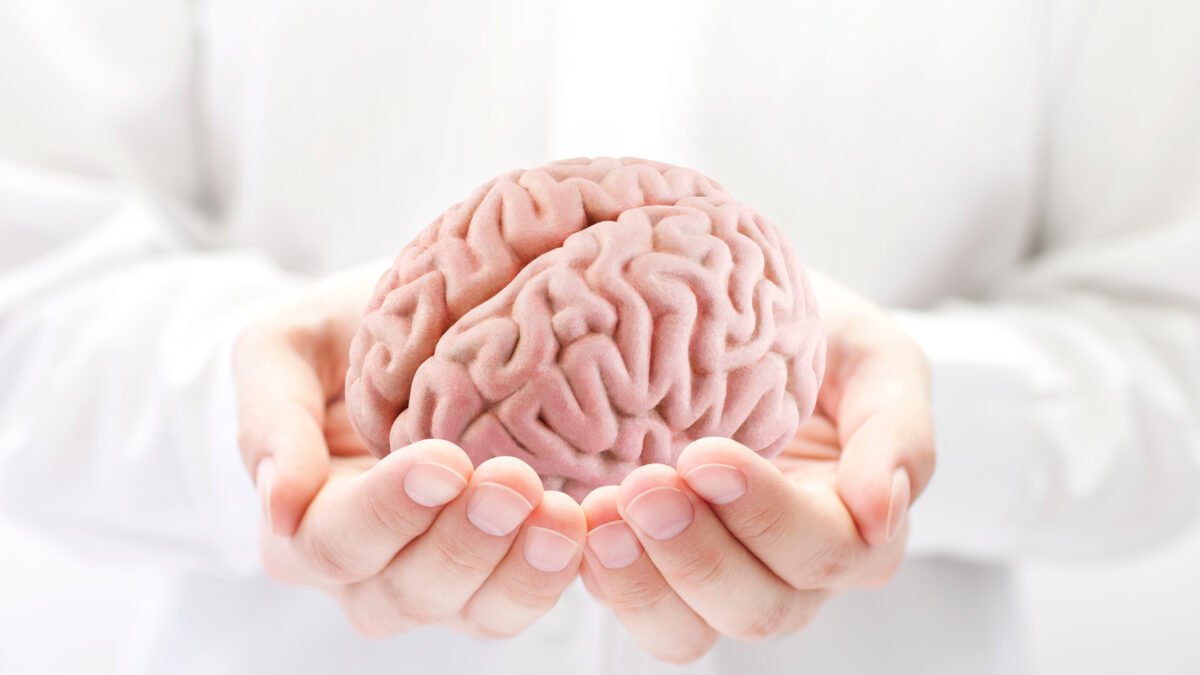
[417, 538]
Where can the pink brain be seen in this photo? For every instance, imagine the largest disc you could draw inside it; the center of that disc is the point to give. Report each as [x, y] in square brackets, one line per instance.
[588, 317]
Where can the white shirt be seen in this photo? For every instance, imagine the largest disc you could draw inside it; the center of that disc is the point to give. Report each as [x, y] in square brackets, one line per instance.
[1019, 182]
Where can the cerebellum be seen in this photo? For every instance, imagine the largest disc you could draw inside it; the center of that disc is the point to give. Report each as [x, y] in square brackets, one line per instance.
[588, 317]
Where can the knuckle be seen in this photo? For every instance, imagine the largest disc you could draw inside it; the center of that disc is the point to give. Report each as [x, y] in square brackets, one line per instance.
[328, 559]
[810, 607]
[262, 334]
[925, 454]
[479, 627]
[260, 433]
[365, 627]
[484, 632]
[905, 345]
[462, 560]
[275, 568]
[248, 341]
[764, 526]
[687, 651]
[390, 515]
[802, 619]
[826, 565]
[884, 575]
[252, 433]
[917, 443]
[768, 621]
[635, 595]
[246, 434]
[403, 604]
[420, 614]
[526, 595]
[363, 612]
[702, 568]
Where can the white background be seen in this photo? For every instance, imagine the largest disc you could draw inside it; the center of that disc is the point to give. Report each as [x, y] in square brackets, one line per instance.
[1113, 618]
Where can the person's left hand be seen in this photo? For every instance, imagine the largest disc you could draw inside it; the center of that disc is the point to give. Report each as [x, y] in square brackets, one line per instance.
[738, 545]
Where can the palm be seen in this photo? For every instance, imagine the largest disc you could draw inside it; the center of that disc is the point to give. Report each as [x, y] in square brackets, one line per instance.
[813, 452]
[340, 435]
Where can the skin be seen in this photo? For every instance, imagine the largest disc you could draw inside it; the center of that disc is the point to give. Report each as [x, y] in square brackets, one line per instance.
[827, 514]
[764, 542]
[337, 519]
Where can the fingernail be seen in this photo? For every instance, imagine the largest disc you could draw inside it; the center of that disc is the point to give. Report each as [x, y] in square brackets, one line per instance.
[717, 483]
[432, 484]
[614, 545]
[547, 550]
[898, 504]
[497, 509]
[662, 512]
[264, 474]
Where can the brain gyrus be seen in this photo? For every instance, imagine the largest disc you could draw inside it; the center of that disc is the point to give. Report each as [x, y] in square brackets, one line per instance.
[588, 317]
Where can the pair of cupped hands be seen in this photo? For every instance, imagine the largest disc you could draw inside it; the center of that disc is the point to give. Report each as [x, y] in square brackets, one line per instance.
[724, 543]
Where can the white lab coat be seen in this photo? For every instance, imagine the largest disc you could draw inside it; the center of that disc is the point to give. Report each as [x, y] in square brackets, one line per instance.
[1018, 181]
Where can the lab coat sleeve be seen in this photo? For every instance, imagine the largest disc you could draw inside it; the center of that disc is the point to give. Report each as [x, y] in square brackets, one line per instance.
[117, 410]
[1067, 400]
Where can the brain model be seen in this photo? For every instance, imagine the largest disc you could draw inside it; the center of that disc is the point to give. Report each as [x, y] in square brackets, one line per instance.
[588, 317]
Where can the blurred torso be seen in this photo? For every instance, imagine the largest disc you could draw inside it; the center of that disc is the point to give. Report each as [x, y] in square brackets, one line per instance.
[898, 144]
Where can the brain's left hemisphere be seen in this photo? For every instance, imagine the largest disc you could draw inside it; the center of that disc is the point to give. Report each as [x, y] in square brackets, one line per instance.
[589, 317]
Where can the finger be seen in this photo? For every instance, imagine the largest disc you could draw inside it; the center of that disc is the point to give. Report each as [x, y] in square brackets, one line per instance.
[541, 563]
[433, 577]
[802, 532]
[616, 571]
[281, 407]
[706, 565]
[359, 521]
[886, 432]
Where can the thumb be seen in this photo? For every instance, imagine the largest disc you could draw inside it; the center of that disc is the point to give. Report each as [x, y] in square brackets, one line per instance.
[885, 426]
[883, 467]
[281, 409]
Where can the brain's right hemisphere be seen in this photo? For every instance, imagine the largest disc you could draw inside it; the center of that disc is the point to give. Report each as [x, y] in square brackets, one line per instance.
[588, 317]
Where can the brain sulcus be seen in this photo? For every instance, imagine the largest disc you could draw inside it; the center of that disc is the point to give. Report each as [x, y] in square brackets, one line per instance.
[588, 317]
